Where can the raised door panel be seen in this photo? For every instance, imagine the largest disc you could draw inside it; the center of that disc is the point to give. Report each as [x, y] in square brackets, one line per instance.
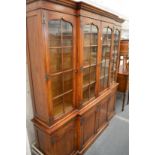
[111, 106]
[64, 140]
[103, 113]
[88, 125]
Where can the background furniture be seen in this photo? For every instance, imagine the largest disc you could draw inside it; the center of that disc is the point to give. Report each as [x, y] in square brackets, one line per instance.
[123, 72]
[72, 52]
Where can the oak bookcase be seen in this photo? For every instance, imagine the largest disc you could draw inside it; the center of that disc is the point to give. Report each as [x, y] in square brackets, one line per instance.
[72, 53]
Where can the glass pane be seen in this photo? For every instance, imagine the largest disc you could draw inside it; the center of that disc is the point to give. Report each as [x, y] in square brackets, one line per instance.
[102, 84]
[116, 35]
[57, 87]
[67, 58]
[107, 67]
[113, 76]
[94, 37]
[114, 56]
[114, 67]
[116, 38]
[92, 90]
[68, 81]
[86, 55]
[102, 70]
[87, 34]
[54, 30]
[104, 36]
[86, 76]
[55, 60]
[67, 33]
[85, 94]
[116, 50]
[104, 49]
[93, 55]
[58, 106]
[109, 37]
[106, 82]
[109, 33]
[106, 73]
[68, 102]
[93, 74]
[107, 54]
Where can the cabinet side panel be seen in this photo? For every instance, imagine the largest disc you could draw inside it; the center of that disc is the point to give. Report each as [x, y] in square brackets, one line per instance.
[64, 139]
[37, 66]
[44, 143]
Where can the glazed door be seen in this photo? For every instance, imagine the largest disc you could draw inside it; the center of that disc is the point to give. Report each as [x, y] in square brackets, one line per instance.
[90, 40]
[60, 36]
[115, 55]
[106, 49]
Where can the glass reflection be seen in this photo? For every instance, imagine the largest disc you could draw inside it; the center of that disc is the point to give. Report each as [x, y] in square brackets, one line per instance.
[54, 31]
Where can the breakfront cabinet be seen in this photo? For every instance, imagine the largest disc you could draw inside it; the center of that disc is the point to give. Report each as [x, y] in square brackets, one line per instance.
[72, 54]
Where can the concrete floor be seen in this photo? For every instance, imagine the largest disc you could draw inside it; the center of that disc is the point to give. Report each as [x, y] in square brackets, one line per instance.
[115, 139]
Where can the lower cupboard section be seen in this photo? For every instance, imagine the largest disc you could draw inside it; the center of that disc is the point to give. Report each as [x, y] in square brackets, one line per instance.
[61, 142]
[75, 136]
[91, 124]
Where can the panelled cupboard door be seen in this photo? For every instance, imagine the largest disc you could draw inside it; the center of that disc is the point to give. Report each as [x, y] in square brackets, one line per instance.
[111, 106]
[88, 123]
[103, 115]
[63, 141]
[89, 53]
[61, 62]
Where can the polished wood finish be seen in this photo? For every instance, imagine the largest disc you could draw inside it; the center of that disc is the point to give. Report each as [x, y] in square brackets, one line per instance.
[72, 52]
[123, 72]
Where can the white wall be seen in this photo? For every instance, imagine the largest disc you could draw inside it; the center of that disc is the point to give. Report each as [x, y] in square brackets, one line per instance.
[125, 30]
[29, 115]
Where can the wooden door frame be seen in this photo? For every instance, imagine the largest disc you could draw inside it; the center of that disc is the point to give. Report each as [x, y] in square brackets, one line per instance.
[51, 15]
[82, 21]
